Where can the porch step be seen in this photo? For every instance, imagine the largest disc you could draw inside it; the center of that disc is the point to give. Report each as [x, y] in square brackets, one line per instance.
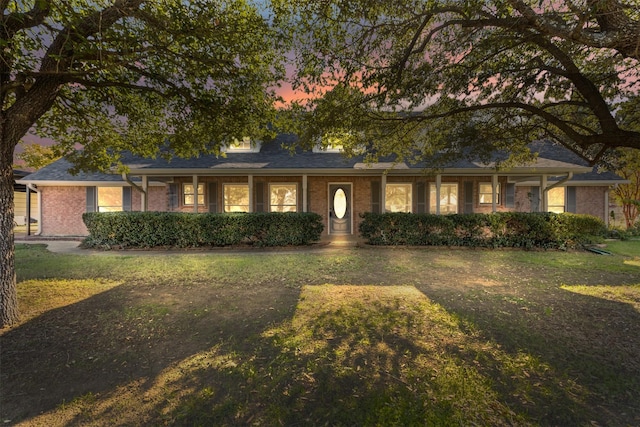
[346, 240]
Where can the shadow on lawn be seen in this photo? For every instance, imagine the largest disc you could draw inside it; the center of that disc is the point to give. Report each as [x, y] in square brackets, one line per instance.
[573, 357]
[202, 354]
[123, 339]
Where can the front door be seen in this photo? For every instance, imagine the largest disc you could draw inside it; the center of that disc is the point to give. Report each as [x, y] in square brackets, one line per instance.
[339, 208]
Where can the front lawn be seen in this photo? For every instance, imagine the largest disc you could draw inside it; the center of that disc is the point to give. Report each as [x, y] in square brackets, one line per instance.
[356, 336]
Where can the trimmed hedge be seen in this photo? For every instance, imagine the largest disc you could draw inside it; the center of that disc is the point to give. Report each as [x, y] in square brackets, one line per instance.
[501, 229]
[183, 230]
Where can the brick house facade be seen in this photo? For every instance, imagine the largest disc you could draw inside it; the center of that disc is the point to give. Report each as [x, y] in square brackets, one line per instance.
[340, 189]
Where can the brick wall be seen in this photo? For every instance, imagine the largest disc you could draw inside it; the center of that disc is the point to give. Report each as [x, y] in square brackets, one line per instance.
[62, 209]
[361, 193]
[590, 201]
[158, 199]
[522, 199]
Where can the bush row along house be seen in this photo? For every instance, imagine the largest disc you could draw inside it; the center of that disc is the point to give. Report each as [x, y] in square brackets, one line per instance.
[267, 177]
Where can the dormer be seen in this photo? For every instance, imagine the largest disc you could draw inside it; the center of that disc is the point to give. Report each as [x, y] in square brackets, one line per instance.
[332, 143]
[330, 148]
[245, 145]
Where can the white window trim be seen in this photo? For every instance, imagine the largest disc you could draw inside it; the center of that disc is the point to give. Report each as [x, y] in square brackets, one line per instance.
[564, 201]
[282, 183]
[224, 187]
[398, 184]
[490, 202]
[247, 146]
[438, 190]
[108, 208]
[330, 148]
[200, 194]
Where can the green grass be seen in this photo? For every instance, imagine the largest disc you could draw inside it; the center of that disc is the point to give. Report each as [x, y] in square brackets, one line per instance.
[374, 336]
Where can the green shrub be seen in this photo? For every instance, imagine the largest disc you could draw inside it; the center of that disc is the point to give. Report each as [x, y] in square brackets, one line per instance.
[634, 230]
[502, 229]
[175, 229]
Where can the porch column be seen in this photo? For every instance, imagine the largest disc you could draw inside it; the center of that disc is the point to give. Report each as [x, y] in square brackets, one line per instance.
[28, 211]
[383, 192]
[144, 199]
[438, 184]
[606, 207]
[250, 182]
[195, 193]
[494, 195]
[305, 186]
[544, 200]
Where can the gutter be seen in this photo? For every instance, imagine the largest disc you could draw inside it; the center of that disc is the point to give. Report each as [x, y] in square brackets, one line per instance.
[133, 184]
[142, 190]
[32, 187]
[559, 183]
[168, 172]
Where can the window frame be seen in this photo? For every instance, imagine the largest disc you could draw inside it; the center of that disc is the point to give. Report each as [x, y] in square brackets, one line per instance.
[295, 196]
[564, 200]
[329, 148]
[489, 194]
[192, 194]
[432, 209]
[244, 145]
[112, 208]
[224, 197]
[408, 203]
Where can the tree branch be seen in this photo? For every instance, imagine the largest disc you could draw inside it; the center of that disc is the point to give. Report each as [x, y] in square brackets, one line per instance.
[585, 87]
[617, 30]
[14, 22]
[57, 60]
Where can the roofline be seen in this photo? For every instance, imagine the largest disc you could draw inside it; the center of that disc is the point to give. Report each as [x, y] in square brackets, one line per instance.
[79, 183]
[366, 171]
[581, 183]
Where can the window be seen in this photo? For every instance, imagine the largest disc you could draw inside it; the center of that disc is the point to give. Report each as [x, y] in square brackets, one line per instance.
[236, 197]
[329, 148]
[485, 191]
[109, 199]
[448, 198]
[242, 146]
[188, 195]
[283, 197]
[332, 142]
[397, 198]
[555, 198]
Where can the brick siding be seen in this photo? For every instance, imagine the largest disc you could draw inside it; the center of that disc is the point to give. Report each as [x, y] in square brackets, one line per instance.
[62, 207]
[590, 201]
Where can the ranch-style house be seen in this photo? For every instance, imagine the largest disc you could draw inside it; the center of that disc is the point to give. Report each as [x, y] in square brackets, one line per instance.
[267, 177]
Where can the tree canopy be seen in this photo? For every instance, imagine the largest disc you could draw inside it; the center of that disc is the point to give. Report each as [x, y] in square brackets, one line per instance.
[132, 74]
[136, 75]
[468, 76]
[36, 156]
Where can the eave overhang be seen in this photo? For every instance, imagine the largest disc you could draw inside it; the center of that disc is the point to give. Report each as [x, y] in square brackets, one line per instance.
[80, 183]
[359, 171]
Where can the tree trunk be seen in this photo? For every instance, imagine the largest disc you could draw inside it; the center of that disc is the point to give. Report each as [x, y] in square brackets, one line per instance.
[8, 293]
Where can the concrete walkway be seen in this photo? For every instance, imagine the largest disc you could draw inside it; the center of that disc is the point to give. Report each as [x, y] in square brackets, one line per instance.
[73, 247]
[58, 246]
